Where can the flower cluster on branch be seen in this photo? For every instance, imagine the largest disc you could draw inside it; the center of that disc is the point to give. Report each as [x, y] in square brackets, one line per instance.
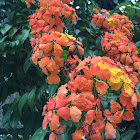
[93, 79]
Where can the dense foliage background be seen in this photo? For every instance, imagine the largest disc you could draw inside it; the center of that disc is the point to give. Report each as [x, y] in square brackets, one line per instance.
[22, 118]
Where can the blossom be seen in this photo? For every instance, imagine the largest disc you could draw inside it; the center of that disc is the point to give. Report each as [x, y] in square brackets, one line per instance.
[101, 87]
[75, 114]
[77, 135]
[64, 112]
[115, 106]
[90, 116]
[54, 123]
[110, 131]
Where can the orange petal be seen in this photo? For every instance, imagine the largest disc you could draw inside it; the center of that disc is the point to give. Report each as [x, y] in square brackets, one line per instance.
[114, 106]
[54, 124]
[87, 72]
[90, 116]
[53, 79]
[128, 116]
[80, 49]
[61, 102]
[133, 78]
[77, 135]
[75, 114]
[123, 48]
[46, 47]
[101, 87]
[57, 50]
[52, 136]
[105, 24]
[134, 100]
[117, 118]
[51, 66]
[72, 48]
[88, 95]
[94, 69]
[45, 122]
[108, 115]
[104, 74]
[79, 101]
[62, 91]
[51, 104]
[110, 131]
[64, 112]
[99, 115]
[93, 21]
[59, 61]
[73, 19]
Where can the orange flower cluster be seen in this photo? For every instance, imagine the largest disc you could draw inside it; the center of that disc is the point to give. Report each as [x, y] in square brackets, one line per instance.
[93, 80]
[117, 44]
[49, 42]
[49, 52]
[49, 16]
[81, 99]
[118, 47]
[114, 22]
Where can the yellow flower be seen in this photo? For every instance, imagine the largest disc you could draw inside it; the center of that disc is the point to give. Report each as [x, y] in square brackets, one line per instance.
[112, 21]
[126, 79]
[127, 89]
[116, 86]
[117, 78]
[103, 65]
[114, 80]
[66, 35]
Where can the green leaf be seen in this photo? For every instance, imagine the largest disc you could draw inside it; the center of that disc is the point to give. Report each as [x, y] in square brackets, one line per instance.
[4, 54]
[14, 43]
[23, 36]
[22, 102]
[104, 104]
[135, 7]
[115, 1]
[12, 32]
[80, 39]
[6, 137]
[41, 90]
[128, 135]
[77, 31]
[16, 100]
[14, 120]
[122, 4]
[5, 28]
[52, 88]
[31, 98]
[138, 87]
[137, 44]
[16, 136]
[6, 117]
[27, 64]
[3, 39]
[63, 135]
[39, 134]
[64, 55]
[118, 137]
[89, 30]
[90, 52]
